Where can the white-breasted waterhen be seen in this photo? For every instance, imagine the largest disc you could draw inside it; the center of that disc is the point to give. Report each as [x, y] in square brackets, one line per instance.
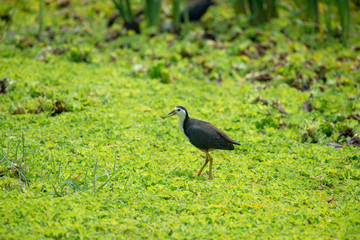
[202, 135]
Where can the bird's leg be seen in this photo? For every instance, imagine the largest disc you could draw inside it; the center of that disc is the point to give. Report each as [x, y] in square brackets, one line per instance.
[206, 161]
[210, 167]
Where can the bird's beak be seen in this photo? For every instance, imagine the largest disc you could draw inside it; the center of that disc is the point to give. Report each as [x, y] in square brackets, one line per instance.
[169, 114]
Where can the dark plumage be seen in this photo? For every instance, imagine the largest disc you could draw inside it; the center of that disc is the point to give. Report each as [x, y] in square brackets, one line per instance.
[196, 10]
[206, 136]
[202, 135]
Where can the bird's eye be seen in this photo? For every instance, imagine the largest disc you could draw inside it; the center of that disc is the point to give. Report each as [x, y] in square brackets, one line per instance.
[178, 110]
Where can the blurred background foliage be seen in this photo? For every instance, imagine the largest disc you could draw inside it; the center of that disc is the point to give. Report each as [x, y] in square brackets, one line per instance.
[333, 17]
[313, 14]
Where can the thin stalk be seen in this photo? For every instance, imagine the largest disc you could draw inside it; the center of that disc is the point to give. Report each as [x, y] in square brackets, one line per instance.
[312, 13]
[17, 162]
[94, 176]
[119, 7]
[328, 17]
[271, 9]
[127, 185]
[85, 182]
[129, 12]
[344, 14]
[315, 14]
[176, 13]
[187, 20]
[152, 12]
[109, 178]
[124, 8]
[56, 192]
[58, 174]
[23, 152]
[8, 148]
[2, 152]
[16, 153]
[239, 7]
[114, 168]
[41, 18]
[257, 12]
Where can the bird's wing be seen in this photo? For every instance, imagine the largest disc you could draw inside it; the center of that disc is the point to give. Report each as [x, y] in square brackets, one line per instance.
[204, 135]
[224, 135]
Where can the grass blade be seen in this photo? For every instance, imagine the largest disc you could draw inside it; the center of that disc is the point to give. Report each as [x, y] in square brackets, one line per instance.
[94, 176]
[114, 168]
[109, 178]
[271, 9]
[85, 181]
[58, 173]
[257, 12]
[239, 7]
[120, 8]
[344, 14]
[311, 9]
[23, 151]
[152, 12]
[130, 16]
[41, 19]
[176, 13]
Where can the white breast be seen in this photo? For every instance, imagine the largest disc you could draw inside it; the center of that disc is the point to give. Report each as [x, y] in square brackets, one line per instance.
[181, 126]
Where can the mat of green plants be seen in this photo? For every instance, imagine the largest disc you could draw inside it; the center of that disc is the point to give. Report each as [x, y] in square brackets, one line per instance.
[85, 154]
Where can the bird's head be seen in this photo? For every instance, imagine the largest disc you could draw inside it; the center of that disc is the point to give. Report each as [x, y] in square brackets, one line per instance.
[178, 110]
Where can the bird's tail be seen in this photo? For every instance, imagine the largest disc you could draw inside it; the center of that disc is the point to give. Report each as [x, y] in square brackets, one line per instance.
[235, 142]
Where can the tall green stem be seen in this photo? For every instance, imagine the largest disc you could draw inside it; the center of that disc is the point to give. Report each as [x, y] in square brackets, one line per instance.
[41, 19]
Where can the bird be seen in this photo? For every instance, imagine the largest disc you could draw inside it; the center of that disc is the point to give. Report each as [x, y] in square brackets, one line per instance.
[195, 10]
[202, 135]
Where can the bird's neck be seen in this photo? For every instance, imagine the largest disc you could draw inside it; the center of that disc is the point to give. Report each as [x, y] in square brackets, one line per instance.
[181, 121]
